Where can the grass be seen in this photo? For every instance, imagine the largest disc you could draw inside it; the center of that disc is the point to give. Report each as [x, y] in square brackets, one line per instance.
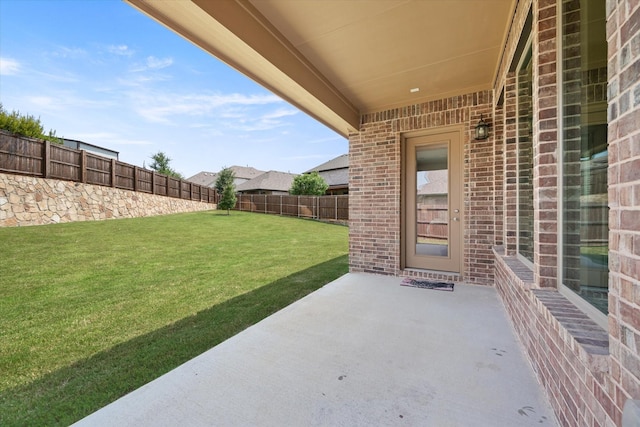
[93, 310]
[601, 250]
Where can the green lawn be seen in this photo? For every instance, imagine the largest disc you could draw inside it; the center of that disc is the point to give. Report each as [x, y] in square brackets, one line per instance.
[92, 310]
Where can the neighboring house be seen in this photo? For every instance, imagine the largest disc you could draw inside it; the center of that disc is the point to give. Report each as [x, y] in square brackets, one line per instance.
[530, 209]
[272, 182]
[79, 145]
[242, 174]
[335, 173]
[206, 179]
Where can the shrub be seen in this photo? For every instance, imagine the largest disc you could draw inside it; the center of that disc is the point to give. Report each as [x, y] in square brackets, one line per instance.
[308, 184]
[28, 125]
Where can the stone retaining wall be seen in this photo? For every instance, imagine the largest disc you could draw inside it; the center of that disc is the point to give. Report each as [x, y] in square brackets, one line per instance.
[28, 200]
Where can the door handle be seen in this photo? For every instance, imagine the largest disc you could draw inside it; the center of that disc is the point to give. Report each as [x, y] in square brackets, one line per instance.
[455, 218]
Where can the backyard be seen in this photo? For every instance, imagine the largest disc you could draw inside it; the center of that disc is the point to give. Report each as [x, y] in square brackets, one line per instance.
[94, 310]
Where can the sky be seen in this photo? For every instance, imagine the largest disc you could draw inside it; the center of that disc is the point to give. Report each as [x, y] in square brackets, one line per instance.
[101, 72]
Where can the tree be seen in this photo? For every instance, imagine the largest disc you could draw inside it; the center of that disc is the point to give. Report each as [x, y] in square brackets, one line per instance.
[161, 165]
[226, 187]
[308, 184]
[28, 125]
[225, 178]
[228, 199]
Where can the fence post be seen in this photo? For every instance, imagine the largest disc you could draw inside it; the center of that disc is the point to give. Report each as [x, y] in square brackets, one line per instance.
[281, 196]
[153, 183]
[298, 206]
[83, 166]
[113, 172]
[46, 159]
[336, 199]
[135, 178]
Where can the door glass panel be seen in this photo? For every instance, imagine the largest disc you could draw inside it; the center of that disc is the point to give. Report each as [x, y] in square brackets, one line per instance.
[432, 201]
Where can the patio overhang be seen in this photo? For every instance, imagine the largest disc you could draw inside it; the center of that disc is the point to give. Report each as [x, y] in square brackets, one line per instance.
[336, 60]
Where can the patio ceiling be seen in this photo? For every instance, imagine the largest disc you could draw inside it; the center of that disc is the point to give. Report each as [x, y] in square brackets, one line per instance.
[338, 59]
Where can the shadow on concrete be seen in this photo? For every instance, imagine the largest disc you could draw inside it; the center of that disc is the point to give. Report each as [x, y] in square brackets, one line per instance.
[69, 394]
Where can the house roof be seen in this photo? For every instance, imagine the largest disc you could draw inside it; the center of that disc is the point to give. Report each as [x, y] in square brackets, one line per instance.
[246, 172]
[207, 179]
[338, 60]
[336, 177]
[340, 162]
[268, 181]
[81, 145]
[436, 183]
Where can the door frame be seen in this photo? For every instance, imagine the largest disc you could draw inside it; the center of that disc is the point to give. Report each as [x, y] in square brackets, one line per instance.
[456, 194]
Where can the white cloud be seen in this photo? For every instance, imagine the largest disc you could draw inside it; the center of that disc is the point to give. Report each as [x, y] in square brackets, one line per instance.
[69, 52]
[158, 63]
[62, 76]
[120, 50]
[266, 121]
[45, 102]
[152, 63]
[108, 138]
[139, 80]
[67, 102]
[282, 112]
[9, 66]
[161, 107]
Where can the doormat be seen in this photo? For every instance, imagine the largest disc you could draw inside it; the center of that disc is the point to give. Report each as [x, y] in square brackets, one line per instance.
[426, 284]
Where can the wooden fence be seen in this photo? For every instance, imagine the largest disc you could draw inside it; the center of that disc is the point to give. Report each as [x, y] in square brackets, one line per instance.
[27, 156]
[327, 208]
[432, 221]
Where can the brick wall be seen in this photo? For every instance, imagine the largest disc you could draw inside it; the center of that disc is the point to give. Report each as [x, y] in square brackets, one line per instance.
[545, 162]
[587, 372]
[28, 200]
[479, 189]
[568, 351]
[374, 199]
[623, 35]
[375, 186]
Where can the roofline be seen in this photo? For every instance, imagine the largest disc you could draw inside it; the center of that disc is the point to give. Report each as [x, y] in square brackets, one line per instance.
[91, 145]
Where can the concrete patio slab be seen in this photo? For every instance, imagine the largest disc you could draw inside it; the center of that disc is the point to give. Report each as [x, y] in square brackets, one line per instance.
[360, 351]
